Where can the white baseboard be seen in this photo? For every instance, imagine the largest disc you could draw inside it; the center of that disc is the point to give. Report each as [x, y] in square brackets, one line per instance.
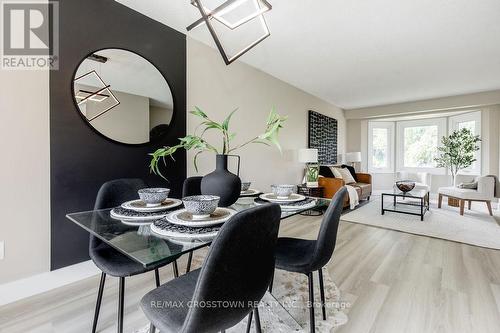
[23, 288]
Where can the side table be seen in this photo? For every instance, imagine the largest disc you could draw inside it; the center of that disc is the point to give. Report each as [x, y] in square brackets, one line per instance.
[315, 191]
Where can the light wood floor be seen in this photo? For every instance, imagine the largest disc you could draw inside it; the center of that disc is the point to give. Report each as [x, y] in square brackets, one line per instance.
[394, 282]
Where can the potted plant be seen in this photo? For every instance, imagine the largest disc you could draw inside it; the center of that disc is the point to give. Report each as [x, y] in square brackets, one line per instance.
[220, 182]
[457, 151]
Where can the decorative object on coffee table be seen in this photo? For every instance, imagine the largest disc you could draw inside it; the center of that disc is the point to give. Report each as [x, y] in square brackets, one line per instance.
[310, 158]
[221, 182]
[405, 185]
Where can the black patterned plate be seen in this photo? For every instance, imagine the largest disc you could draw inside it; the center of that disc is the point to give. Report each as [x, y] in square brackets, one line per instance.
[290, 206]
[182, 217]
[271, 197]
[129, 215]
[140, 206]
[166, 229]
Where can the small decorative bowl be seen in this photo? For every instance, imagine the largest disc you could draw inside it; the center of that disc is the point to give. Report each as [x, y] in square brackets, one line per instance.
[405, 185]
[153, 196]
[283, 191]
[201, 206]
[245, 186]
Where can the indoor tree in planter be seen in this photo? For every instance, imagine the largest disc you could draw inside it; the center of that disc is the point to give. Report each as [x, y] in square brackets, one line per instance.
[221, 182]
[457, 151]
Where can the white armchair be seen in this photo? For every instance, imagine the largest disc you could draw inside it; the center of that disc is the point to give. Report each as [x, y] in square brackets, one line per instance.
[485, 191]
[422, 179]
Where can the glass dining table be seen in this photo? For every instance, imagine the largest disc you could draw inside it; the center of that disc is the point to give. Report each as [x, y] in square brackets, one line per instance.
[141, 244]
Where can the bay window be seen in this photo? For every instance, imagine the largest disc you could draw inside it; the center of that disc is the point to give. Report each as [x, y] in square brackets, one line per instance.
[381, 146]
[418, 142]
[412, 145]
[471, 121]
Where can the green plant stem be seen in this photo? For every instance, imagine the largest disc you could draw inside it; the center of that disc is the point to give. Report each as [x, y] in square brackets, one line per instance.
[244, 144]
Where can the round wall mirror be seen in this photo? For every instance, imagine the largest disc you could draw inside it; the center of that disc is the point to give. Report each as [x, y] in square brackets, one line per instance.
[123, 96]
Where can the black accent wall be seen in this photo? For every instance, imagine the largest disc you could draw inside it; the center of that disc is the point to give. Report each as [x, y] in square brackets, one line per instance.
[81, 159]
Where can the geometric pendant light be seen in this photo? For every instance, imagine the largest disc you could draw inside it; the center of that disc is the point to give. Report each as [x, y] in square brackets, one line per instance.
[99, 94]
[232, 14]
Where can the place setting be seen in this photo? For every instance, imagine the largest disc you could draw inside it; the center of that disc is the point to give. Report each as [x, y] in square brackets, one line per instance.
[200, 219]
[285, 195]
[246, 191]
[153, 204]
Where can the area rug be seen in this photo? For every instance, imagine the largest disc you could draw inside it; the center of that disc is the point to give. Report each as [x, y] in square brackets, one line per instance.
[475, 227]
[285, 310]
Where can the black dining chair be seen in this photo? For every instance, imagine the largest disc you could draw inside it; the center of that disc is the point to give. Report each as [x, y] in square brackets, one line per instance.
[106, 258]
[237, 270]
[191, 186]
[307, 256]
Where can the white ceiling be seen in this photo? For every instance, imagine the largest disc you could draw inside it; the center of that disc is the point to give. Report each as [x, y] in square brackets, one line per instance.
[358, 53]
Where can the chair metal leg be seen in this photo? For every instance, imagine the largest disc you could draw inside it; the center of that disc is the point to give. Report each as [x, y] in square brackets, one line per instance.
[311, 303]
[120, 304]
[152, 328]
[98, 303]
[249, 322]
[190, 259]
[322, 293]
[175, 268]
[157, 277]
[258, 328]
[271, 283]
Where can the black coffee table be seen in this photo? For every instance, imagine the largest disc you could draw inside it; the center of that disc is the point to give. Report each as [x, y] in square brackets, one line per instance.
[415, 202]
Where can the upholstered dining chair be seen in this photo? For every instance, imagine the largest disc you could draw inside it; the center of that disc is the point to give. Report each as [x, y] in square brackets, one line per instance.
[107, 259]
[191, 186]
[307, 256]
[237, 269]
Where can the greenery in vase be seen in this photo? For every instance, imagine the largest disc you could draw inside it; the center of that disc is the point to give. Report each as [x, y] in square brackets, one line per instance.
[197, 142]
[458, 151]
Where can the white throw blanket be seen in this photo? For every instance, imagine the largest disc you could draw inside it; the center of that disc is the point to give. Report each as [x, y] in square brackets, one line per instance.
[353, 196]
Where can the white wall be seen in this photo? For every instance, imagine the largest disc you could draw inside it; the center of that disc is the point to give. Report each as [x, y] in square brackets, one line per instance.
[218, 89]
[24, 172]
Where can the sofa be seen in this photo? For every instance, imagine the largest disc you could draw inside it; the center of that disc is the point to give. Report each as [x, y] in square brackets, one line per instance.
[485, 192]
[331, 185]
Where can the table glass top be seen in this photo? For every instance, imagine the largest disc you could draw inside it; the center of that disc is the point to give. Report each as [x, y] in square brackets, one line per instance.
[142, 245]
[411, 194]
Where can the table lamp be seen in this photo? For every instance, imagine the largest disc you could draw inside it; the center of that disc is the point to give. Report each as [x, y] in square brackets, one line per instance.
[352, 158]
[309, 156]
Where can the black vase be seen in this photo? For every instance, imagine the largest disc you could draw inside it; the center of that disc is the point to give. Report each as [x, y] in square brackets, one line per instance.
[222, 182]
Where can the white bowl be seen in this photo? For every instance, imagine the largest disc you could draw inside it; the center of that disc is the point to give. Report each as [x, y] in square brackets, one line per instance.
[153, 196]
[201, 206]
[283, 191]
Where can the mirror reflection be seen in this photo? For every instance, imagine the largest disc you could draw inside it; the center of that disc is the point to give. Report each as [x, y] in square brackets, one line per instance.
[123, 96]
